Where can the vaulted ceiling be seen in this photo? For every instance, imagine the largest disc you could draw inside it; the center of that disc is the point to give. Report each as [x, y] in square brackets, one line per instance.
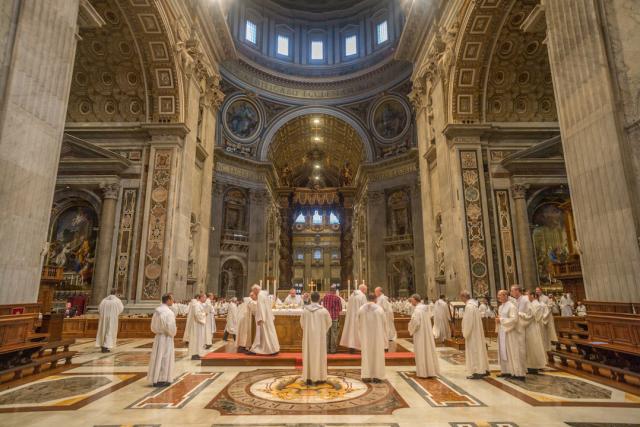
[315, 148]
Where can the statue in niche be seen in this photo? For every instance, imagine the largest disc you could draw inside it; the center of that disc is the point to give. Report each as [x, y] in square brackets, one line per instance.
[346, 176]
[285, 175]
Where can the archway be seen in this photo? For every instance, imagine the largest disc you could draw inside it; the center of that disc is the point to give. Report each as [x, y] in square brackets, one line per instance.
[232, 278]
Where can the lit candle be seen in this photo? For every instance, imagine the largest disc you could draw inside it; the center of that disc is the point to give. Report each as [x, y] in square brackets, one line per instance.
[260, 283]
[349, 288]
[269, 293]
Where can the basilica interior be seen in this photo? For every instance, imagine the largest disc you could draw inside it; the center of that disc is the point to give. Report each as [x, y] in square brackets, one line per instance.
[421, 146]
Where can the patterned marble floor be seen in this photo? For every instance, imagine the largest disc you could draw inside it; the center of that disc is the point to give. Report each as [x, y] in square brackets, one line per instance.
[110, 390]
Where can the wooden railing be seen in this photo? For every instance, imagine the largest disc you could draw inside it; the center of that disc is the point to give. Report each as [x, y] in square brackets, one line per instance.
[52, 273]
[569, 269]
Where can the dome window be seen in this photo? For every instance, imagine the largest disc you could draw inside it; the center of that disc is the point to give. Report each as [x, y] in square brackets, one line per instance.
[251, 32]
[351, 45]
[382, 35]
[283, 45]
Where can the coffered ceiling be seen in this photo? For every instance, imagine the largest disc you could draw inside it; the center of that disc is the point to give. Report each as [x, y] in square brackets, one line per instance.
[315, 148]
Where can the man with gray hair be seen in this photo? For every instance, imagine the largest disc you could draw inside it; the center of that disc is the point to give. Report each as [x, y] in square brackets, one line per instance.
[424, 345]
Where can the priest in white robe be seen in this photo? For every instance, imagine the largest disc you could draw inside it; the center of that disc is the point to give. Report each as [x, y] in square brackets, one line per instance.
[510, 340]
[266, 339]
[442, 320]
[566, 305]
[109, 310]
[350, 334]
[533, 350]
[245, 320]
[293, 299]
[232, 319]
[195, 330]
[162, 359]
[424, 344]
[475, 346]
[383, 301]
[372, 328]
[210, 324]
[538, 339]
[315, 322]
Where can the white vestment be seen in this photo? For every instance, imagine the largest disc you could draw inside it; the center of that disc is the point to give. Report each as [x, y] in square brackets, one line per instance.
[109, 310]
[245, 320]
[475, 347]
[549, 329]
[441, 319]
[210, 324]
[566, 306]
[350, 335]
[266, 340]
[372, 328]
[162, 360]
[510, 341]
[194, 332]
[232, 319]
[533, 351]
[315, 322]
[581, 310]
[538, 340]
[295, 300]
[424, 345]
[384, 303]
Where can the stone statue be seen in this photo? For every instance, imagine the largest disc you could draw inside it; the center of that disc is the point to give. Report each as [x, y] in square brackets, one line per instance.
[285, 175]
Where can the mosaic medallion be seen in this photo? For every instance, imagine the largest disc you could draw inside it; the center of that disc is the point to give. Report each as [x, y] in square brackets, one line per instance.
[389, 118]
[242, 119]
[273, 392]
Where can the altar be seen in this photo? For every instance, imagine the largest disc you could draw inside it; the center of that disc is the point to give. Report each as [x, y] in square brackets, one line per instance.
[289, 331]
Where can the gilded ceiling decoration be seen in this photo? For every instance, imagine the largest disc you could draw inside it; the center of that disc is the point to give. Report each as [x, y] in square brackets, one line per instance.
[314, 150]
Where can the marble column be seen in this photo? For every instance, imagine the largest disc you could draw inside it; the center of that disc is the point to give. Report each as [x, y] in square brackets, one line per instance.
[598, 152]
[285, 254]
[257, 237]
[523, 233]
[376, 230]
[39, 43]
[110, 193]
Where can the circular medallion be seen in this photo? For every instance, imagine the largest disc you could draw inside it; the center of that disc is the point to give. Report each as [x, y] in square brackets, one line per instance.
[390, 118]
[159, 195]
[242, 119]
[471, 194]
[152, 271]
[478, 269]
[291, 389]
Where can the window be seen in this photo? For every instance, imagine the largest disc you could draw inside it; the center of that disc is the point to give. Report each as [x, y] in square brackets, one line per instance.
[251, 32]
[300, 219]
[333, 219]
[317, 50]
[351, 45]
[381, 32]
[283, 45]
[317, 218]
[300, 256]
[317, 254]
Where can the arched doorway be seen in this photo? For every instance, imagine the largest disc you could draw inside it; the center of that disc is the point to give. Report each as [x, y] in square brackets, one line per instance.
[232, 279]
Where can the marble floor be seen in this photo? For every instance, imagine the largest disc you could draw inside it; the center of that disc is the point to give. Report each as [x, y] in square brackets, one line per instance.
[111, 390]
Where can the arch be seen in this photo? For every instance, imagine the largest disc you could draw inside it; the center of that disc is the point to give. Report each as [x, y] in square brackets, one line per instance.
[275, 126]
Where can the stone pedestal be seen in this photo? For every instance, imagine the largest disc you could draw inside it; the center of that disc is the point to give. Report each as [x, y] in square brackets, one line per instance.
[105, 243]
[523, 233]
[35, 75]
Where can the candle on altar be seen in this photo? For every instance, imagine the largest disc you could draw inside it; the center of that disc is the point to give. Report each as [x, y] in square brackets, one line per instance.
[348, 288]
[268, 293]
[260, 283]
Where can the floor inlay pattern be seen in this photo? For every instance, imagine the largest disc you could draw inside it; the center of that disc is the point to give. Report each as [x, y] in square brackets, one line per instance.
[484, 424]
[563, 389]
[600, 424]
[63, 392]
[177, 395]
[439, 392]
[274, 392]
[312, 425]
[127, 358]
[457, 357]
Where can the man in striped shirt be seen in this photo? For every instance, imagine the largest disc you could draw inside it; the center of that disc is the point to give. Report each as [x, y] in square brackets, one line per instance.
[333, 304]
